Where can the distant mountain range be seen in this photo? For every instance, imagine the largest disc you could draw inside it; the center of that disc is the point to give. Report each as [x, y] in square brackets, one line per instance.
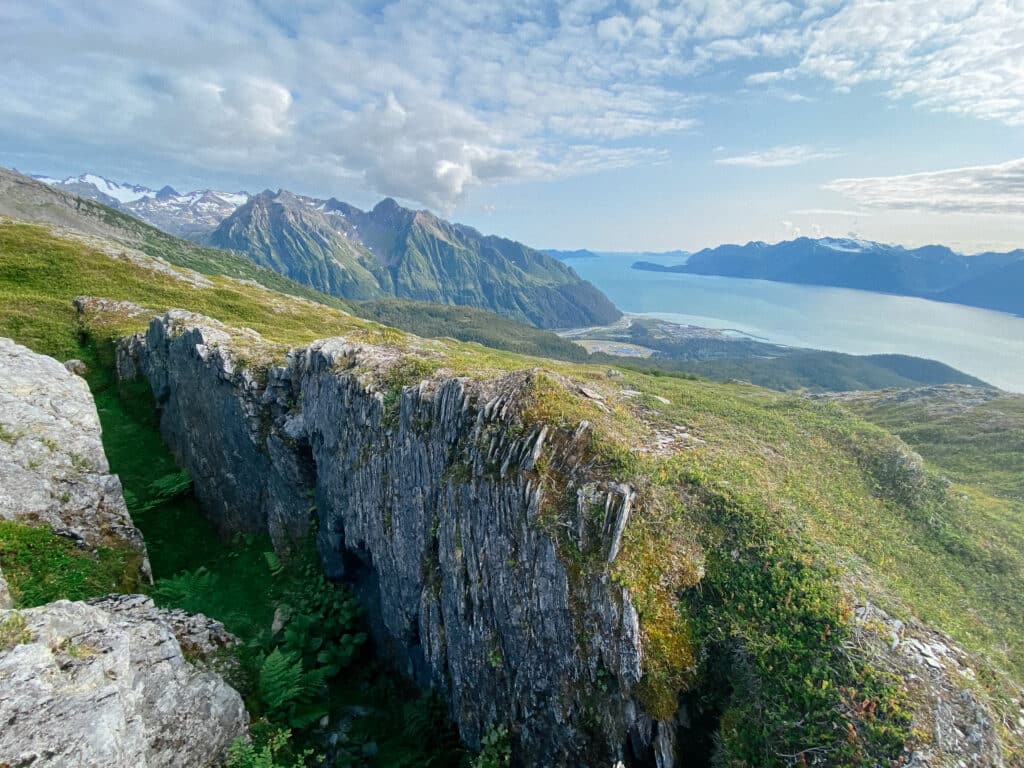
[583, 253]
[360, 255]
[989, 280]
[190, 215]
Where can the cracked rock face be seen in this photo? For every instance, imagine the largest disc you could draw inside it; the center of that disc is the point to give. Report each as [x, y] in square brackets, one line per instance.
[52, 466]
[433, 507]
[105, 685]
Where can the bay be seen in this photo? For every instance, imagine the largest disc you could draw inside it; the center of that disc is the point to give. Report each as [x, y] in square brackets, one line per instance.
[983, 343]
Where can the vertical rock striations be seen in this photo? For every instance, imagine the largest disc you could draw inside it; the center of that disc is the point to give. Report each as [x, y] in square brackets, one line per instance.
[437, 500]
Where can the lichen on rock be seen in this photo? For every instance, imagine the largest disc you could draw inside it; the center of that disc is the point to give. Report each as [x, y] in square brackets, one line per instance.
[106, 685]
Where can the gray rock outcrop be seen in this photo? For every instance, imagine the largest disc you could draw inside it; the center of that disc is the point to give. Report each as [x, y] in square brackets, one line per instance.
[430, 498]
[52, 466]
[479, 541]
[105, 685]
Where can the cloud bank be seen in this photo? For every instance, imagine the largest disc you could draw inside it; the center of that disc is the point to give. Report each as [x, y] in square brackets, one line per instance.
[427, 99]
[988, 189]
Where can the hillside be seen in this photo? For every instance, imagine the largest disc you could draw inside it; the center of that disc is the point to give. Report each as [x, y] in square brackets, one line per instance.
[394, 251]
[27, 199]
[1001, 289]
[932, 271]
[763, 543]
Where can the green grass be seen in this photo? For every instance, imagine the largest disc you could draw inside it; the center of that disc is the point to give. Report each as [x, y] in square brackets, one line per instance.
[41, 567]
[781, 510]
[468, 324]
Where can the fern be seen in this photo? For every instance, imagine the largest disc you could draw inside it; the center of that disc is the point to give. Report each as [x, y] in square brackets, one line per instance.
[288, 691]
[271, 755]
[187, 589]
[160, 491]
[274, 563]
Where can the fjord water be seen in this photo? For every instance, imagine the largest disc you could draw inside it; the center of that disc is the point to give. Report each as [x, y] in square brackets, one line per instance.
[986, 344]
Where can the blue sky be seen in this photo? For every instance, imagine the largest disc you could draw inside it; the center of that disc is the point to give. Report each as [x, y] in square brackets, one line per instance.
[624, 125]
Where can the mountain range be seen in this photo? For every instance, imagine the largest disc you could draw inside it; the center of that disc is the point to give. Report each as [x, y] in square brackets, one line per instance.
[353, 254]
[190, 215]
[989, 280]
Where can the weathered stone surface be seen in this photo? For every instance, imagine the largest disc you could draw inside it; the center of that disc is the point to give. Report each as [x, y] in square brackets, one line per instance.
[105, 685]
[939, 676]
[76, 367]
[434, 508]
[52, 466]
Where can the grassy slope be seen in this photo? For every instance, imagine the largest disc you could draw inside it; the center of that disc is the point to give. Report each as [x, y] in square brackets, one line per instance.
[792, 487]
[980, 448]
[468, 324]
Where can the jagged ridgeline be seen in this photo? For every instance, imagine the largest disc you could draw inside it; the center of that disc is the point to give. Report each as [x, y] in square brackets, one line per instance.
[606, 564]
[393, 251]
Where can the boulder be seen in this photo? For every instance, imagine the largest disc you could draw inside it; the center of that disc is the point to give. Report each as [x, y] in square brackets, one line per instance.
[52, 466]
[106, 685]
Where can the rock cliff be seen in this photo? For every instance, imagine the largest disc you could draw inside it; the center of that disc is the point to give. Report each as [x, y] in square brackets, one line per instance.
[482, 540]
[105, 685]
[430, 497]
[52, 466]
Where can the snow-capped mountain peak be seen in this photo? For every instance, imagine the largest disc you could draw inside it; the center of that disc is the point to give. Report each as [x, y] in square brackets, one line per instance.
[188, 214]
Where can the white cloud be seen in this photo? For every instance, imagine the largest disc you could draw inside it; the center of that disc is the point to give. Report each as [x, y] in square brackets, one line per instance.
[422, 99]
[778, 157]
[425, 99]
[960, 56]
[988, 189]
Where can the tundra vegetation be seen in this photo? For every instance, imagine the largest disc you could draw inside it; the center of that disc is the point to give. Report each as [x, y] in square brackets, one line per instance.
[763, 528]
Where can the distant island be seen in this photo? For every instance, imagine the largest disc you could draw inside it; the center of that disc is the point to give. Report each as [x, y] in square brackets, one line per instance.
[986, 280]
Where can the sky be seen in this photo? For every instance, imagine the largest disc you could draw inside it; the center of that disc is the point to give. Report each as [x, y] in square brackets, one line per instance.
[626, 125]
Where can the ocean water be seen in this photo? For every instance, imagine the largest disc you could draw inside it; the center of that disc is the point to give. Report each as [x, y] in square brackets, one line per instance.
[986, 344]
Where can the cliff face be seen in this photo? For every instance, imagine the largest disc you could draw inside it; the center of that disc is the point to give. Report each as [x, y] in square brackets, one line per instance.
[482, 541]
[430, 497]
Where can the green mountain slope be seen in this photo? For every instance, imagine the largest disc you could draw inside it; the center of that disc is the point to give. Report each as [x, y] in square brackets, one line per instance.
[766, 524]
[283, 233]
[393, 251]
[22, 197]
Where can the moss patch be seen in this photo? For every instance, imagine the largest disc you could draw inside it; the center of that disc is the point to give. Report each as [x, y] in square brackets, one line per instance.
[41, 567]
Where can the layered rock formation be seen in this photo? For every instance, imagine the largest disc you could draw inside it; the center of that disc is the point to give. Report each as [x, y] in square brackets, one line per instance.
[479, 539]
[430, 497]
[52, 467]
[105, 685]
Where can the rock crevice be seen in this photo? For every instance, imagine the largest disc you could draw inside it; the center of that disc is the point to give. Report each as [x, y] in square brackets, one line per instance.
[430, 496]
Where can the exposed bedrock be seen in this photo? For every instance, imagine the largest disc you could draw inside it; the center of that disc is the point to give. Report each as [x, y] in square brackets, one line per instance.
[105, 684]
[431, 500]
[53, 470]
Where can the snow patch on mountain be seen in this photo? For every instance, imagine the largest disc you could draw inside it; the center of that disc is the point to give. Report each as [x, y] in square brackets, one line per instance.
[190, 214]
